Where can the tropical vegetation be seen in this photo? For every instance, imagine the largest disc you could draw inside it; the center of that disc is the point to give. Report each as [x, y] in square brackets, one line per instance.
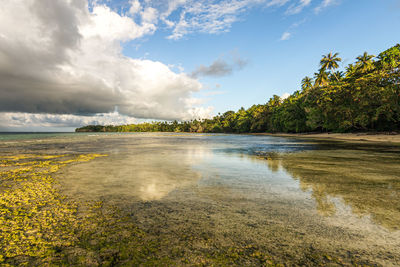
[365, 96]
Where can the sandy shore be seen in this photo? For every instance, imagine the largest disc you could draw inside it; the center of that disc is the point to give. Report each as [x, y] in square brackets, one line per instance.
[357, 137]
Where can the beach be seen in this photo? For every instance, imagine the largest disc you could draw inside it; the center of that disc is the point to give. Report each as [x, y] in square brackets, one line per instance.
[388, 138]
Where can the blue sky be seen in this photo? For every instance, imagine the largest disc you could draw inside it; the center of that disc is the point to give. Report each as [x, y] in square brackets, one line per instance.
[276, 66]
[69, 63]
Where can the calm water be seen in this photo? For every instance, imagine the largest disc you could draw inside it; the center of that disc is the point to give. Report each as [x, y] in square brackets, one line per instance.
[291, 197]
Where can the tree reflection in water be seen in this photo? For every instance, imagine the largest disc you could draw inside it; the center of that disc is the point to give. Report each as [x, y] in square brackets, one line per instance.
[367, 181]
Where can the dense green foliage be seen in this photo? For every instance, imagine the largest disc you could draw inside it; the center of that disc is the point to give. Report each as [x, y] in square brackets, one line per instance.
[365, 97]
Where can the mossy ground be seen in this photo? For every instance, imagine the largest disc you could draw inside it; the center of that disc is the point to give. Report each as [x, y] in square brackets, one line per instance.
[41, 226]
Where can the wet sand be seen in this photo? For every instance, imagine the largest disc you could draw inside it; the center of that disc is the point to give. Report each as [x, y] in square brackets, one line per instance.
[242, 200]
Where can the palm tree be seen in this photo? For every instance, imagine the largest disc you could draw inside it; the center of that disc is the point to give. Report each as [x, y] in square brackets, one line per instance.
[338, 75]
[321, 77]
[364, 62]
[306, 83]
[350, 70]
[330, 62]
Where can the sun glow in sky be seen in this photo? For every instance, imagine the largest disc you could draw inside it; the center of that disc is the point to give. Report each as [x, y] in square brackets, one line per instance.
[68, 63]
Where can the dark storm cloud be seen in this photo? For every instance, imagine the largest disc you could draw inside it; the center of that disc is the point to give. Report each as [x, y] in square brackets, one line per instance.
[30, 74]
[56, 57]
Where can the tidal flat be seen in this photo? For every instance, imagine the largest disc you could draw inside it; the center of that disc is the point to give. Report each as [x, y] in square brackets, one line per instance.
[197, 200]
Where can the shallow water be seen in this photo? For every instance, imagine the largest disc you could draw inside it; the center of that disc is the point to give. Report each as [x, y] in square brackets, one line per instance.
[293, 198]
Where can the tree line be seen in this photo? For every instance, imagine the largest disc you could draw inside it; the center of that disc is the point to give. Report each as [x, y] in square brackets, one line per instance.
[363, 97]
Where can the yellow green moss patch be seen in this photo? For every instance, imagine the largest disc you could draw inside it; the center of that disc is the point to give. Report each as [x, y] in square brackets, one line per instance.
[40, 226]
[35, 219]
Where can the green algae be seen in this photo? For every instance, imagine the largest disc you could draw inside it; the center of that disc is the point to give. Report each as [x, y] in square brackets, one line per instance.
[366, 181]
[190, 206]
[41, 226]
[35, 219]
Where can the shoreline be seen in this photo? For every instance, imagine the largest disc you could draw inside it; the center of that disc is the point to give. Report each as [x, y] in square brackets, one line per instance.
[132, 207]
[362, 137]
[352, 137]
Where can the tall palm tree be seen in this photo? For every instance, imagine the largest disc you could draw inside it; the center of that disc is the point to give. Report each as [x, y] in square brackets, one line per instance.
[330, 62]
[306, 83]
[365, 62]
[321, 77]
[350, 70]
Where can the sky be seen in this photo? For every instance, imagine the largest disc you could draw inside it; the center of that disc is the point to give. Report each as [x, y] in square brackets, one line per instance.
[70, 63]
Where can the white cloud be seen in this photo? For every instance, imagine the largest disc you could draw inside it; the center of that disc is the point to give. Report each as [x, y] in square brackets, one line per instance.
[286, 36]
[109, 26]
[209, 16]
[149, 15]
[64, 59]
[297, 8]
[324, 4]
[184, 17]
[21, 120]
[284, 96]
[277, 3]
[135, 7]
[65, 56]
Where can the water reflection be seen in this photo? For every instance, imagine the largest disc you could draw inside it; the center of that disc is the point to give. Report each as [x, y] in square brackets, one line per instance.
[150, 167]
[147, 176]
[368, 182]
[291, 198]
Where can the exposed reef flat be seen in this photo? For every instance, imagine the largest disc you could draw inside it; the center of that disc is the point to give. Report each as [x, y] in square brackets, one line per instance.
[198, 199]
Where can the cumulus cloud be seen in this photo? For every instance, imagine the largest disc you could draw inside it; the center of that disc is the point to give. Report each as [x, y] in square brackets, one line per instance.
[63, 58]
[20, 120]
[135, 7]
[184, 17]
[220, 67]
[17, 121]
